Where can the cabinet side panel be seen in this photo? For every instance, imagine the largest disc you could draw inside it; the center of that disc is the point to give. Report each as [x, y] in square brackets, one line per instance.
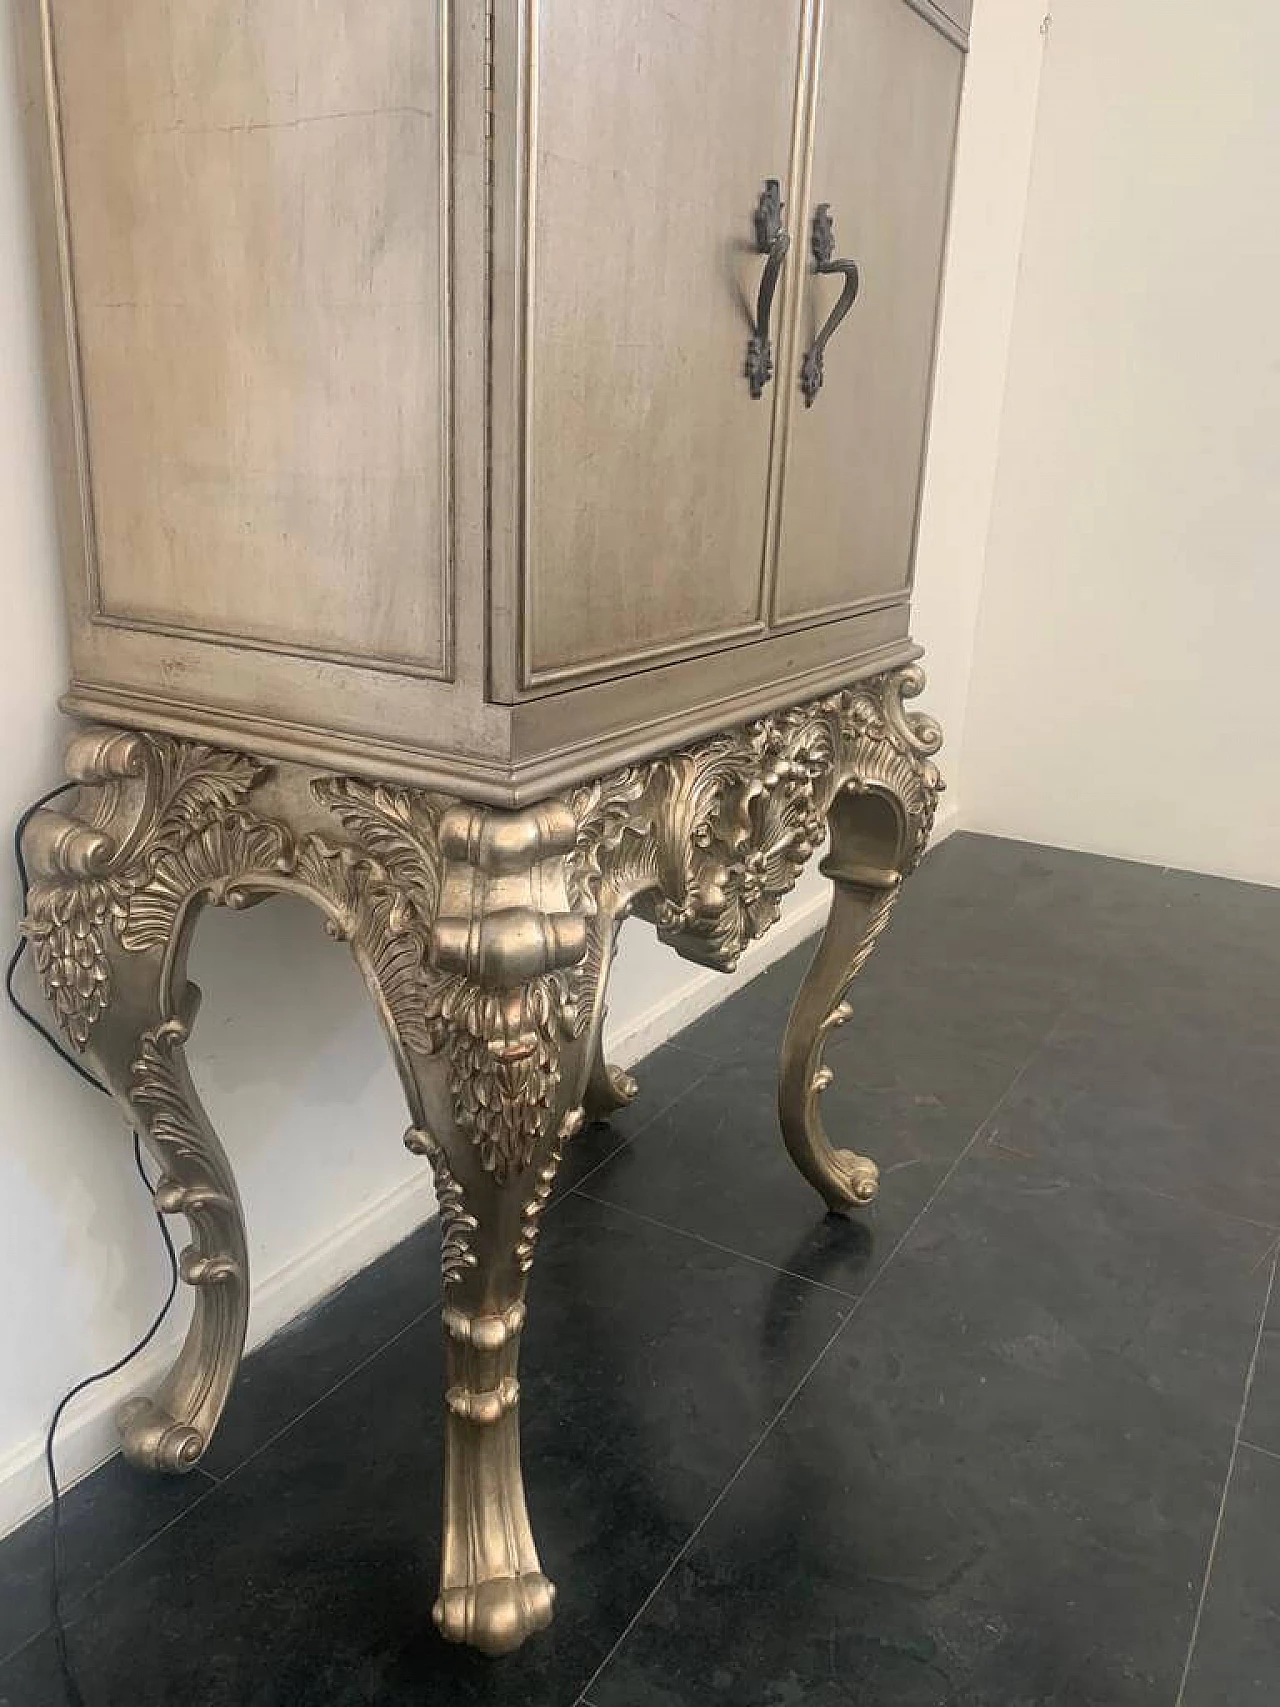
[257, 238]
[646, 462]
[888, 92]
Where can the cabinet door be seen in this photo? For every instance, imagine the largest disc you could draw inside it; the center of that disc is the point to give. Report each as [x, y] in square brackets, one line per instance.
[652, 129]
[888, 87]
[255, 268]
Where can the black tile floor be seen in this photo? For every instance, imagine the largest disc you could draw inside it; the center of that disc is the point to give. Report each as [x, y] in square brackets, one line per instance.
[1010, 1438]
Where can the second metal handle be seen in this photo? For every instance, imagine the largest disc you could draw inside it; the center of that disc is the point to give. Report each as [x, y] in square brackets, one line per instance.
[771, 240]
[825, 260]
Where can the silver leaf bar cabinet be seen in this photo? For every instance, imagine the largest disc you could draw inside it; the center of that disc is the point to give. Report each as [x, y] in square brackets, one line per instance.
[489, 446]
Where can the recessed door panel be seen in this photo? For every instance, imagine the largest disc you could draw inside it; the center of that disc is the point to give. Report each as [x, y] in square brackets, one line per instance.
[888, 86]
[654, 127]
[258, 257]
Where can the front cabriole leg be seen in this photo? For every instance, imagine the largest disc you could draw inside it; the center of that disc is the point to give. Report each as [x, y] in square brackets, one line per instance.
[471, 928]
[880, 814]
[496, 1099]
[493, 1591]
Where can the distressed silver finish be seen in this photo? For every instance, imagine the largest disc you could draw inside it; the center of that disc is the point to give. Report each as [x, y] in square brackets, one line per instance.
[371, 456]
[428, 559]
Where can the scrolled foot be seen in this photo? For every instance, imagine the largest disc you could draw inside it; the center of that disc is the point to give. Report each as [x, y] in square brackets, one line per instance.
[844, 1179]
[608, 1090]
[852, 1181]
[152, 1439]
[496, 1616]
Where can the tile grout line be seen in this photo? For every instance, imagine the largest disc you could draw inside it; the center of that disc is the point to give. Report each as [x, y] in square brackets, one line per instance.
[1194, 1203]
[795, 1392]
[1263, 1451]
[1226, 1484]
[625, 1141]
[422, 1316]
[1094, 1182]
[731, 1250]
[712, 1244]
[77, 1601]
[711, 1510]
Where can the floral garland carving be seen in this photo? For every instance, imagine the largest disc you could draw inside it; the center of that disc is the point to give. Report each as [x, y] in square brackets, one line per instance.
[708, 840]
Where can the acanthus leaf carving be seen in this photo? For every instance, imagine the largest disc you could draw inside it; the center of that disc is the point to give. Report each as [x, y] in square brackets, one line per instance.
[397, 827]
[193, 784]
[368, 909]
[189, 1185]
[89, 876]
[224, 860]
[457, 1226]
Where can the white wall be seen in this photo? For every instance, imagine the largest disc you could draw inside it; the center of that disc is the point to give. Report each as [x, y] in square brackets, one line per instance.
[1123, 685]
[993, 162]
[287, 1053]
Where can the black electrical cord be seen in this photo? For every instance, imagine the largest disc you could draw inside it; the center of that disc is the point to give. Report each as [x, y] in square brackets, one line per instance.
[74, 1694]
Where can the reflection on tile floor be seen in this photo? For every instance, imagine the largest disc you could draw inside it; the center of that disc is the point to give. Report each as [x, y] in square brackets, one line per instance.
[1010, 1438]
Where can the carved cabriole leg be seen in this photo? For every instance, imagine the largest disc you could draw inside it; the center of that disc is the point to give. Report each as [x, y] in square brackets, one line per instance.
[880, 815]
[170, 1429]
[864, 893]
[465, 929]
[614, 859]
[707, 840]
[130, 1009]
[495, 1123]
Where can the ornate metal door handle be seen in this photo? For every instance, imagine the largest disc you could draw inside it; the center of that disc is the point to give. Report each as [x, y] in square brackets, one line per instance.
[771, 240]
[826, 261]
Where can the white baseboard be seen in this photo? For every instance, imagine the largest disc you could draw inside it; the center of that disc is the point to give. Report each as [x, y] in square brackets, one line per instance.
[702, 988]
[87, 1435]
[947, 821]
